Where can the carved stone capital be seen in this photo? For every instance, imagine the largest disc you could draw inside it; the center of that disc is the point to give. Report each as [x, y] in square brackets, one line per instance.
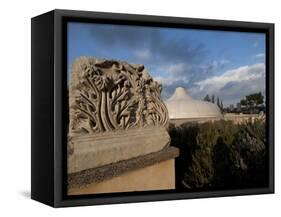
[115, 113]
[109, 95]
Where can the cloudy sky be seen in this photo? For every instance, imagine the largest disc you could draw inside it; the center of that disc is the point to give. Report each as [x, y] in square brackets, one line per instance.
[227, 64]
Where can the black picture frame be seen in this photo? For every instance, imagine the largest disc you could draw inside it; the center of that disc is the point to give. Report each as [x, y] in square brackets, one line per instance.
[49, 107]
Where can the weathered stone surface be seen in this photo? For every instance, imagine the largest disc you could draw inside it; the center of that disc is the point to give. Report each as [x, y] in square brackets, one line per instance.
[107, 95]
[159, 176]
[96, 175]
[115, 113]
[105, 148]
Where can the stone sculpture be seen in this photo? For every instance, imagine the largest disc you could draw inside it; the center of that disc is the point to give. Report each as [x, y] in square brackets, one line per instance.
[115, 113]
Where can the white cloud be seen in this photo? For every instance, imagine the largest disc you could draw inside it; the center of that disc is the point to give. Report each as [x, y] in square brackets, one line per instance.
[213, 66]
[172, 69]
[234, 84]
[259, 56]
[182, 71]
[182, 74]
[170, 73]
[240, 74]
[143, 54]
[168, 80]
[220, 63]
[224, 61]
[176, 68]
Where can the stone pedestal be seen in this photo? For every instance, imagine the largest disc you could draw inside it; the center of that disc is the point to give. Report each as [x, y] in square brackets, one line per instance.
[155, 171]
[92, 151]
[160, 176]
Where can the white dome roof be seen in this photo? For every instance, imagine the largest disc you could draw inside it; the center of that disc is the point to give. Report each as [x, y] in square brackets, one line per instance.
[180, 105]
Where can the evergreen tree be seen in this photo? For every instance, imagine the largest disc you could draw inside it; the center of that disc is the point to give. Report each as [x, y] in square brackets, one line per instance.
[213, 98]
[218, 102]
[207, 98]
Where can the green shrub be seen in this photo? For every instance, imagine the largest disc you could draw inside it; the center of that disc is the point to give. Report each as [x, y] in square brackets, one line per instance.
[220, 154]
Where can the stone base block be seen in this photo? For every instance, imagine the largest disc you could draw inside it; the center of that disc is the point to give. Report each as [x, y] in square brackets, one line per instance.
[154, 171]
[160, 176]
[92, 151]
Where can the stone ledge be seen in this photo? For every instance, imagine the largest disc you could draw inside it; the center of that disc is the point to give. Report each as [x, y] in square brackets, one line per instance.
[95, 175]
[93, 151]
[157, 177]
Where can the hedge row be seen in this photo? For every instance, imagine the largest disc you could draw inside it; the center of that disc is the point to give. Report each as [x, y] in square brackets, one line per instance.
[220, 155]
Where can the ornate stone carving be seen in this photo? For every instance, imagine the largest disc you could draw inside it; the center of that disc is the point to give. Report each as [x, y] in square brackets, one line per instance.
[115, 113]
[108, 95]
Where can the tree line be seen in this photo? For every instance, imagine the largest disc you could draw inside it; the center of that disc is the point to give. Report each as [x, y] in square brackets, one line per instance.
[214, 99]
[252, 100]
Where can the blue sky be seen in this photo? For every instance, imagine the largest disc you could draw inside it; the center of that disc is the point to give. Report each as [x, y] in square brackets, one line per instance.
[227, 64]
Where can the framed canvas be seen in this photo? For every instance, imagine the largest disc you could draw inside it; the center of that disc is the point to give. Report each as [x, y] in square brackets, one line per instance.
[134, 108]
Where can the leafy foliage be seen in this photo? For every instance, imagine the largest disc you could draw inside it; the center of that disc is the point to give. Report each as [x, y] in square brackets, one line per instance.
[220, 155]
[253, 100]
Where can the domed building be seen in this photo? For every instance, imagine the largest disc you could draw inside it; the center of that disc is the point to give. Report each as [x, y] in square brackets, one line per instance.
[182, 107]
